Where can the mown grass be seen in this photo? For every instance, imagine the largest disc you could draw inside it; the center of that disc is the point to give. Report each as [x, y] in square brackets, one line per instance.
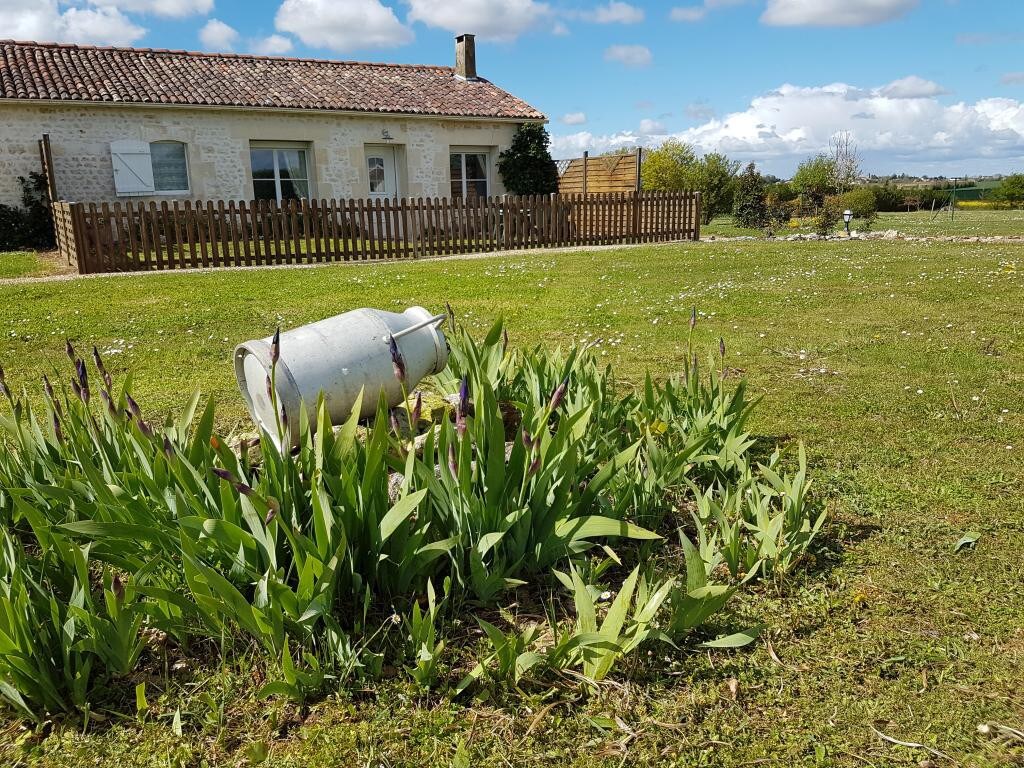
[23, 264]
[965, 223]
[898, 364]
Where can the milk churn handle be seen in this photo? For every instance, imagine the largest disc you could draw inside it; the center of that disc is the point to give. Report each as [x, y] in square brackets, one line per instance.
[435, 320]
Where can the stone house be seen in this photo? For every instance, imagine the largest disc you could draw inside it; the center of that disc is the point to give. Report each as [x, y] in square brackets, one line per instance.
[140, 124]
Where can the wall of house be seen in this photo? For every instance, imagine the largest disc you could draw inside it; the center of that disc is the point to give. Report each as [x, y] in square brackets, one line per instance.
[218, 147]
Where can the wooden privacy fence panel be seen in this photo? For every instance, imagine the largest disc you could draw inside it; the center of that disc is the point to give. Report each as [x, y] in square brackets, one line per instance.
[182, 235]
[604, 173]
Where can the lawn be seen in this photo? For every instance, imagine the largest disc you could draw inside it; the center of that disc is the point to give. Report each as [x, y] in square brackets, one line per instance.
[23, 264]
[965, 223]
[900, 365]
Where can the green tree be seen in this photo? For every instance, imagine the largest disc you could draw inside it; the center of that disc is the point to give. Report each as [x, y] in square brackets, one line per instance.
[1011, 190]
[714, 176]
[815, 179]
[526, 166]
[750, 203]
[667, 168]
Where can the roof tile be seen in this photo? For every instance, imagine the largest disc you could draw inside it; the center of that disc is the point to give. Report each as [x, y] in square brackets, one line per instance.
[58, 72]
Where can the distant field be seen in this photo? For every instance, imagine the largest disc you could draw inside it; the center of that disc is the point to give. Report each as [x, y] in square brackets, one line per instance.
[965, 223]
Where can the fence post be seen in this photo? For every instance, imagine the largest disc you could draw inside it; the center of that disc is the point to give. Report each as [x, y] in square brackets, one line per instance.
[634, 222]
[696, 216]
[586, 156]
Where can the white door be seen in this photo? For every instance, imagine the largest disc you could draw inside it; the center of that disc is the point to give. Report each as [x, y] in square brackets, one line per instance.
[382, 171]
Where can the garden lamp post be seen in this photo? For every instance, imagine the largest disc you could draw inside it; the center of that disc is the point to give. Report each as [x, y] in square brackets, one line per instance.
[847, 217]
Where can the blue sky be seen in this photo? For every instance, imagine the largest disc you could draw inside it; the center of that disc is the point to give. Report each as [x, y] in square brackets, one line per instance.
[925, 86]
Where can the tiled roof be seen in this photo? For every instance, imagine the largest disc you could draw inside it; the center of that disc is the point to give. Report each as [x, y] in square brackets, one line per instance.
[73, 73]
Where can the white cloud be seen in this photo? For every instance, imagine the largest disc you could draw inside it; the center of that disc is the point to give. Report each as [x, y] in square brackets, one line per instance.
[693, 13]
[272, 45]
[649, 127]
[171, 8]
[218, 36]
[699, 110]
[912, 87]
[688, 13]
[630, 55]
[1012, 78]
[487, 19]
[782, 127]
[44, 20]
[574, 118]
[617, 12]
[834, 13]
[342, 25]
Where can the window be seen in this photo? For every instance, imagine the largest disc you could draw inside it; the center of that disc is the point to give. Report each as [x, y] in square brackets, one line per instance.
[148, 168]
[469, 174]
[378, 181]
[170, 166]
[279, 173]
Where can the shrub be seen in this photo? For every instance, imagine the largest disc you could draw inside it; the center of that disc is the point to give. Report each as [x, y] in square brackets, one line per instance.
[30, 226]
[750, 204]
[829, 215]
[862, 203]
[1010, 190]
[526, 167]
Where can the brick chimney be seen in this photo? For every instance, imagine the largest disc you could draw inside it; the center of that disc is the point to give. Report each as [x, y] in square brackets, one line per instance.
[465, 57]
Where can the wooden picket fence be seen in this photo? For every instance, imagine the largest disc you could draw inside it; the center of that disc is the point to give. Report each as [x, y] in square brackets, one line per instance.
[183, 235]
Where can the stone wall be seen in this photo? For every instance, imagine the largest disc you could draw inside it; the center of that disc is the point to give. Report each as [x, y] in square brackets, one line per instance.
[218, 147]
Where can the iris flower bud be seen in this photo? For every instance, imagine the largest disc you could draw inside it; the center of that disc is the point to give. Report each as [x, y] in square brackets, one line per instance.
[275, 346]
[396, 359]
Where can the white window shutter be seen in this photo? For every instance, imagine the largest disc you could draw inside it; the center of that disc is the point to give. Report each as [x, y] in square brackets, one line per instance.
[133, 167]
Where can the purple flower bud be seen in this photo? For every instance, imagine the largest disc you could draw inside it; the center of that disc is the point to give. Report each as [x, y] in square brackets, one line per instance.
[417, 410]
[145, 429]
[168, 448]
[464, 396]
[558, 395]
[693, 318]
[224, 475]
[83, 379]
[107, 380]
[504, 340]
[4, 390]
[463, 408]
[70, 350]
[393, 419]
[451, 314]
[396, 359]
[273, 508]
[117, 588]
[245, 490]
[47, 388]
[76, 389]
[534, 466]
[270, 389]
[57, 431]
[275, 347]
[721, 347]
[529, 443]
[111, 408]
[133, 407]
[453, 465]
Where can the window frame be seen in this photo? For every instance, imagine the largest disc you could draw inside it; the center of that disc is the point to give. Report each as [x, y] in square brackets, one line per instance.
[274, 147]
[188, 169]
[463, 152]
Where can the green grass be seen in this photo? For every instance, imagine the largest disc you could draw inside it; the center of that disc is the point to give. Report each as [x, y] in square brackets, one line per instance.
[23, 264]
[968, 222]
[900, 365]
